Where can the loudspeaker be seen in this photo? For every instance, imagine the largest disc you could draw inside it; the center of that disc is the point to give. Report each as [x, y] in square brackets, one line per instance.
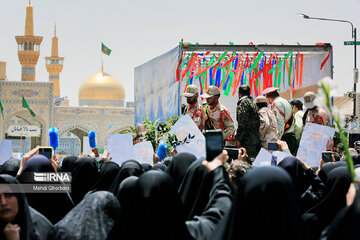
[353, 137]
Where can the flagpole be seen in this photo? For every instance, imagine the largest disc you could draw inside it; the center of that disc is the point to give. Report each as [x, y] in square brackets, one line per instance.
[21, 125]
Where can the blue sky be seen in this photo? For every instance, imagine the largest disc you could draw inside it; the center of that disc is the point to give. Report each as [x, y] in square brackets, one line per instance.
[138, 31]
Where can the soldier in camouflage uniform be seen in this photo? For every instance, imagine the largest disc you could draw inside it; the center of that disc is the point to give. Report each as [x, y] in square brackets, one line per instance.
[313, 113]
[248, 118]
[216, 115]
[194, 109]
[268, 125]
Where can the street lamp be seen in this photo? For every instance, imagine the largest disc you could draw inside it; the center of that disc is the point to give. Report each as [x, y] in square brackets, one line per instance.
[353, 31]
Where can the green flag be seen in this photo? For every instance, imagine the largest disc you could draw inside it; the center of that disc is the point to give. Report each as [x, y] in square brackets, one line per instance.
[105, 49]
[26, 105]
[2, 109]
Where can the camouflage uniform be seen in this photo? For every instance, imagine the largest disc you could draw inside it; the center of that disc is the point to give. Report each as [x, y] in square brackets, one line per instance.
[219, 118]
[194, 109]
[317, 115]
[268, 127]
[248, 118]
[197, 114]
[285, 120]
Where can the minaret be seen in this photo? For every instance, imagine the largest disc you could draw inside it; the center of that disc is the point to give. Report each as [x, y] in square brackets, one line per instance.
[28, 47]
[54, 65]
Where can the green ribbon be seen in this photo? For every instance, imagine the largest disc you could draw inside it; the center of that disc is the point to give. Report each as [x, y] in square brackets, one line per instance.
[256, 62]
[223, 78]
[188, 76]
[231, 77]
[221, 58]
[186, 61]
[291, 63]
[279, 75]
[283, 72]
[279, 62]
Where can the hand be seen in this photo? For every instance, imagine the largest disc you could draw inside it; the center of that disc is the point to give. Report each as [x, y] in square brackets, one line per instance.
[173, 152]
[26, 157]
[321, 164]
[55, 161]
[155, 159]
[242, 154]
[95, 150]
[350, 196]
[330, 144]
[12, 231]
[282, 145]
[305, 167]
[218, 161]
[105, 156]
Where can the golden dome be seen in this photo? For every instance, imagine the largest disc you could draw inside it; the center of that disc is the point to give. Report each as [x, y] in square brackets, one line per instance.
[101, 90]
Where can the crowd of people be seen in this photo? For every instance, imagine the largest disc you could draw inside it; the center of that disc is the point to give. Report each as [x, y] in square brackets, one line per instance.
[183, 197]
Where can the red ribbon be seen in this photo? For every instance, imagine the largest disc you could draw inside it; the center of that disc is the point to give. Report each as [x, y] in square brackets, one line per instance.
[178, 67]
[325, 60]
[301, 69]
[190, 63]
[238, 77]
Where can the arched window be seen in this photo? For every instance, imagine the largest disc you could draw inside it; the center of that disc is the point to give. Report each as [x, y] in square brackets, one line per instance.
[25, 46]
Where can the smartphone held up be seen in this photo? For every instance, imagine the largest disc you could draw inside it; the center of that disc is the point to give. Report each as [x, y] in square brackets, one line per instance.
[47, 151]
[214, 143]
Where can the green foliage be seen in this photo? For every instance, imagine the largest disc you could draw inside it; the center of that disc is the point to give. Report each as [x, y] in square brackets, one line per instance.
[173, 120]
[154, 131]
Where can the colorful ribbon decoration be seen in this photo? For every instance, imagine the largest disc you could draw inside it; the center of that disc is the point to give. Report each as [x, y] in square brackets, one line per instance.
[228, 71]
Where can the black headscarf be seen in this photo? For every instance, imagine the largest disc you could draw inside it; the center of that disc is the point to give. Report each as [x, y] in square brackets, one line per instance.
[128, 168]
[95, 217]
[68, 163]
[10, 167]
[23, 218]
[179, 165]
[195, 189]
[53, 206]
[296, 171]
[342, 226]
[84, 175]
[337, 185]
[264, 208]
[159, 166]
[156, 202]
[356, 158]
[325, 170]
[125, 193]
[106, 176]
[146, 166]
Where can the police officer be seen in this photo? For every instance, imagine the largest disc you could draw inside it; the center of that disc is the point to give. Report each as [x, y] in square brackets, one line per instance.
[284, 116]
[248, 118]
[194, 109]
[216, 115]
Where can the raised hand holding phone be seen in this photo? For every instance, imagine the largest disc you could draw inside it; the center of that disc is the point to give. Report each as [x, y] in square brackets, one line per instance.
[26, 157]
[218, 161]
[214, 144]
